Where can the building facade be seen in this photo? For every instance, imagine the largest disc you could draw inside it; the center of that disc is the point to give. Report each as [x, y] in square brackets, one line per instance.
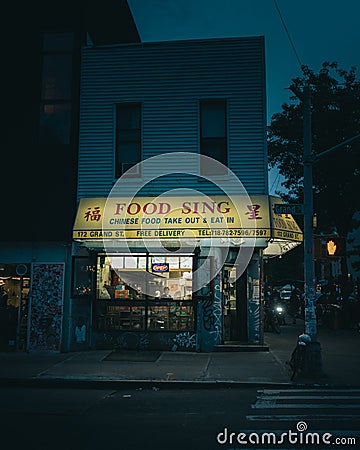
[98, 110]
[173, 216]
[41, 59]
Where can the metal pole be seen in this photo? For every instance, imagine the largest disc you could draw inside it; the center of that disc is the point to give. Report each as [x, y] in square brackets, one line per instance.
[18, 328]
[309, 269]
[314, 364]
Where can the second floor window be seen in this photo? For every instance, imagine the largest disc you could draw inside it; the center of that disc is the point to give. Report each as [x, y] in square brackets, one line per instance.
[128, 139]
[213, 136]
[56, 88]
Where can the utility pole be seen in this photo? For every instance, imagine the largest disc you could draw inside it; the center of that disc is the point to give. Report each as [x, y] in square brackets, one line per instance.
[313, 363]
[313, 359]
[309, 268]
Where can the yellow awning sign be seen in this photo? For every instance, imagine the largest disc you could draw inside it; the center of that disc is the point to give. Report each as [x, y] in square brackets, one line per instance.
[284, 225]
[166, 217]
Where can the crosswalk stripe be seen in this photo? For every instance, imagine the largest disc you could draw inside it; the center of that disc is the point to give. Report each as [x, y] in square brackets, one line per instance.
[310, 397]
[272, 404]
[342, 433]
[276, 398]
[294, 417]
[315, 390]
[332, 400]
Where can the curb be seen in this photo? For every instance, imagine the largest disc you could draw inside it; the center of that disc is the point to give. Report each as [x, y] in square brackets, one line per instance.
[156, 384]
[92, 383]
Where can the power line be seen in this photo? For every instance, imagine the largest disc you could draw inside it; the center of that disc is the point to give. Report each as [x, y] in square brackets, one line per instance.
[287, 33]
[276, 179]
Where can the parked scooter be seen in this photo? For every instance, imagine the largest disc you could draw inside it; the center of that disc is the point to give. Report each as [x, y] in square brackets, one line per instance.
[298, 357]
[271, 322]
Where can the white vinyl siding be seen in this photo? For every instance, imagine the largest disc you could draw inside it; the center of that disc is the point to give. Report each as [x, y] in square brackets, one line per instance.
[170, 79]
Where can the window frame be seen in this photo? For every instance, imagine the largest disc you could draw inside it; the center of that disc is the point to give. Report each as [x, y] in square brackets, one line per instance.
[218, 140]
[60, 101]
[148, 302]
[118, 169]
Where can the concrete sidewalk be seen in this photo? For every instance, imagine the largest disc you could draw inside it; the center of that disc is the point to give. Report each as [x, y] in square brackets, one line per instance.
[170, 367]
[341, 363]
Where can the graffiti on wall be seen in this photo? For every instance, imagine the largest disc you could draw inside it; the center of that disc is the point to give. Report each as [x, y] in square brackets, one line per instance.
[46, 306]
[210, 305]
[208, 316]
[217, 312]
[254, 322]
[135, 341]
[184, 340]
[211, 317]
[144, 341]
[254, 310]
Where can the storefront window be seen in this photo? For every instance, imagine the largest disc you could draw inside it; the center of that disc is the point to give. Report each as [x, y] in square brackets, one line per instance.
[130, 288]
[173, 273]
[181, 317]
[141, 277]
[121, 277]
[158, 317]
[14, 304]
[83, 275]
[120, 317]
[172, 316]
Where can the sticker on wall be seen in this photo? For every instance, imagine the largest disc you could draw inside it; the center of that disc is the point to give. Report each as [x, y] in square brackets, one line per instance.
[46, 307]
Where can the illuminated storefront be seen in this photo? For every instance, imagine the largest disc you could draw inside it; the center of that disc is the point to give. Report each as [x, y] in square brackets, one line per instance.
[138, 267]
[14, 296]
[168, 304]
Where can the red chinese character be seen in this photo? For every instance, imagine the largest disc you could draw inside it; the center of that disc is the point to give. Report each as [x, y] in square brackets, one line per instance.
[253, 212]
[93, 214]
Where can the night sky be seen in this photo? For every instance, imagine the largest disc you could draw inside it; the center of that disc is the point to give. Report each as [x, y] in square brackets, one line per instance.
[320, 30]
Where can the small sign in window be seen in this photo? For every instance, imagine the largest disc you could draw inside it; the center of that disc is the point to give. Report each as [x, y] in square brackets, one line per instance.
[160, 267]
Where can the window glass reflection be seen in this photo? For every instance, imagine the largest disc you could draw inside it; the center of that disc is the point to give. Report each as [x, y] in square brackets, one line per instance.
[154, 292]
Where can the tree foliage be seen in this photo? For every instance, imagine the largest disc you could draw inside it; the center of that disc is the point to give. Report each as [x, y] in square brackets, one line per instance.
[335, 114]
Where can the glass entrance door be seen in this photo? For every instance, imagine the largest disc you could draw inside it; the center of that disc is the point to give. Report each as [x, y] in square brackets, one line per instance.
[229, 290]
[235, 297]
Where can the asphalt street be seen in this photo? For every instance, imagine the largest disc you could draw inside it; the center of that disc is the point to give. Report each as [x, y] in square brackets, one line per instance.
[153, 418]
[121, 405]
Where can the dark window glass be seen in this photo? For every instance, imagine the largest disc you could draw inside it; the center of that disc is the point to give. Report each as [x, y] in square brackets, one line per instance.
[213, 136]
[56, 88]
[119, 317]
[55, 123]
[57, 77]
[128, 138]
[171, 317]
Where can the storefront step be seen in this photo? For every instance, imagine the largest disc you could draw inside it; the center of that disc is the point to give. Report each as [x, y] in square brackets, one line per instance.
[240, 347]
